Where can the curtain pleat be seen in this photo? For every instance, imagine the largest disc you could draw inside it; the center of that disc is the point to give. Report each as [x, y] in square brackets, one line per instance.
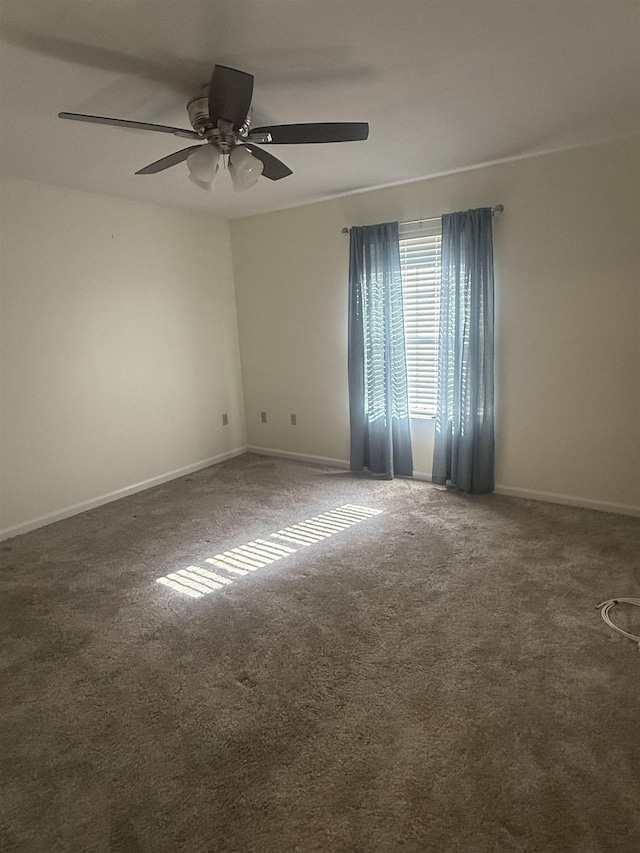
[464, 438]
[378, 401]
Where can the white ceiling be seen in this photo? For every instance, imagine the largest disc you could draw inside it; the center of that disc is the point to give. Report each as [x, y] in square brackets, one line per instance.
[444, 85]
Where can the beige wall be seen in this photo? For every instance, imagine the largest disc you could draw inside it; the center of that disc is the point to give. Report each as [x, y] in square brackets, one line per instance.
[567, 306]
[119, 347]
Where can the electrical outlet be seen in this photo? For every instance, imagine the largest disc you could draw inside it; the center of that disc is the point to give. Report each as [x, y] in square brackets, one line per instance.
[225, 419]
[263, 417]
[294, 419]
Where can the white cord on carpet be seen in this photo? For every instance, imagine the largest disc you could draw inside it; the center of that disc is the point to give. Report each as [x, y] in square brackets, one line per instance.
[606, 606]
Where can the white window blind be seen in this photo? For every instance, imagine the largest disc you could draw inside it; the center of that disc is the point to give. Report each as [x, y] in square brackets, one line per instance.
[420, 257]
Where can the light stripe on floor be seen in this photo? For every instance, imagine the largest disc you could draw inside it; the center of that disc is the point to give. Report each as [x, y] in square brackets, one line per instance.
[195, 581]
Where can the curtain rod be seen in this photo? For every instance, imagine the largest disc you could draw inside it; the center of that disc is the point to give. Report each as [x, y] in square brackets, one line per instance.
[495, 211]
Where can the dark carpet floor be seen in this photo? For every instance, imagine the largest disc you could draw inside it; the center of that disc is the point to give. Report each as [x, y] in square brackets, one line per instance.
[434, 678]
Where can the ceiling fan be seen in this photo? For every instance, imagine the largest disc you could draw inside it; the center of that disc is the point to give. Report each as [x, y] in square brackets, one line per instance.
[220, 118]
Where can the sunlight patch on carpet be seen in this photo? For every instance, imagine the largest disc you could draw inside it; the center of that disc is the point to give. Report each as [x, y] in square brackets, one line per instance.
[196, 581]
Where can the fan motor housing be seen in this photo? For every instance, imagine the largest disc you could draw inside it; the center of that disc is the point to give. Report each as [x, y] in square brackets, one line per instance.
[198, 109]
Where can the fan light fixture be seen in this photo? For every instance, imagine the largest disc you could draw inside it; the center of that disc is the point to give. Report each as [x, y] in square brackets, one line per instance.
[203, 165]
[245, 168]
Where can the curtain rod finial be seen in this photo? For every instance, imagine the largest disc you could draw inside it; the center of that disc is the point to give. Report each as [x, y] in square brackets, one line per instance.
[345, 230]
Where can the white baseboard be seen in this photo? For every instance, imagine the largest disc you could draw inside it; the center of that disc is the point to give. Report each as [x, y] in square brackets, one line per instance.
[529, 494]
[420, 475]
[320, 460]
[299, 457]
[76, 509]
[568, 500]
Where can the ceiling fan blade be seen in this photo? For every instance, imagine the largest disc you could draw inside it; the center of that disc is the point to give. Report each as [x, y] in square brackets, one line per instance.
[274, 169]
[166, 162]
[132, 125]
[230, 93]
[284, 134]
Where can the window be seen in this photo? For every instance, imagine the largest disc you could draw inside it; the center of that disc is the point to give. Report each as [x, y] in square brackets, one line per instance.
[420, 258]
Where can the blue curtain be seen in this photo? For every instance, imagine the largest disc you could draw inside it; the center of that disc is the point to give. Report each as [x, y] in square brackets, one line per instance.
[379, 409]
[463, 452]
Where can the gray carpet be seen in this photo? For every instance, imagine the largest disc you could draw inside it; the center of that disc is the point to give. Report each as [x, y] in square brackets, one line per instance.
[432, 679]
